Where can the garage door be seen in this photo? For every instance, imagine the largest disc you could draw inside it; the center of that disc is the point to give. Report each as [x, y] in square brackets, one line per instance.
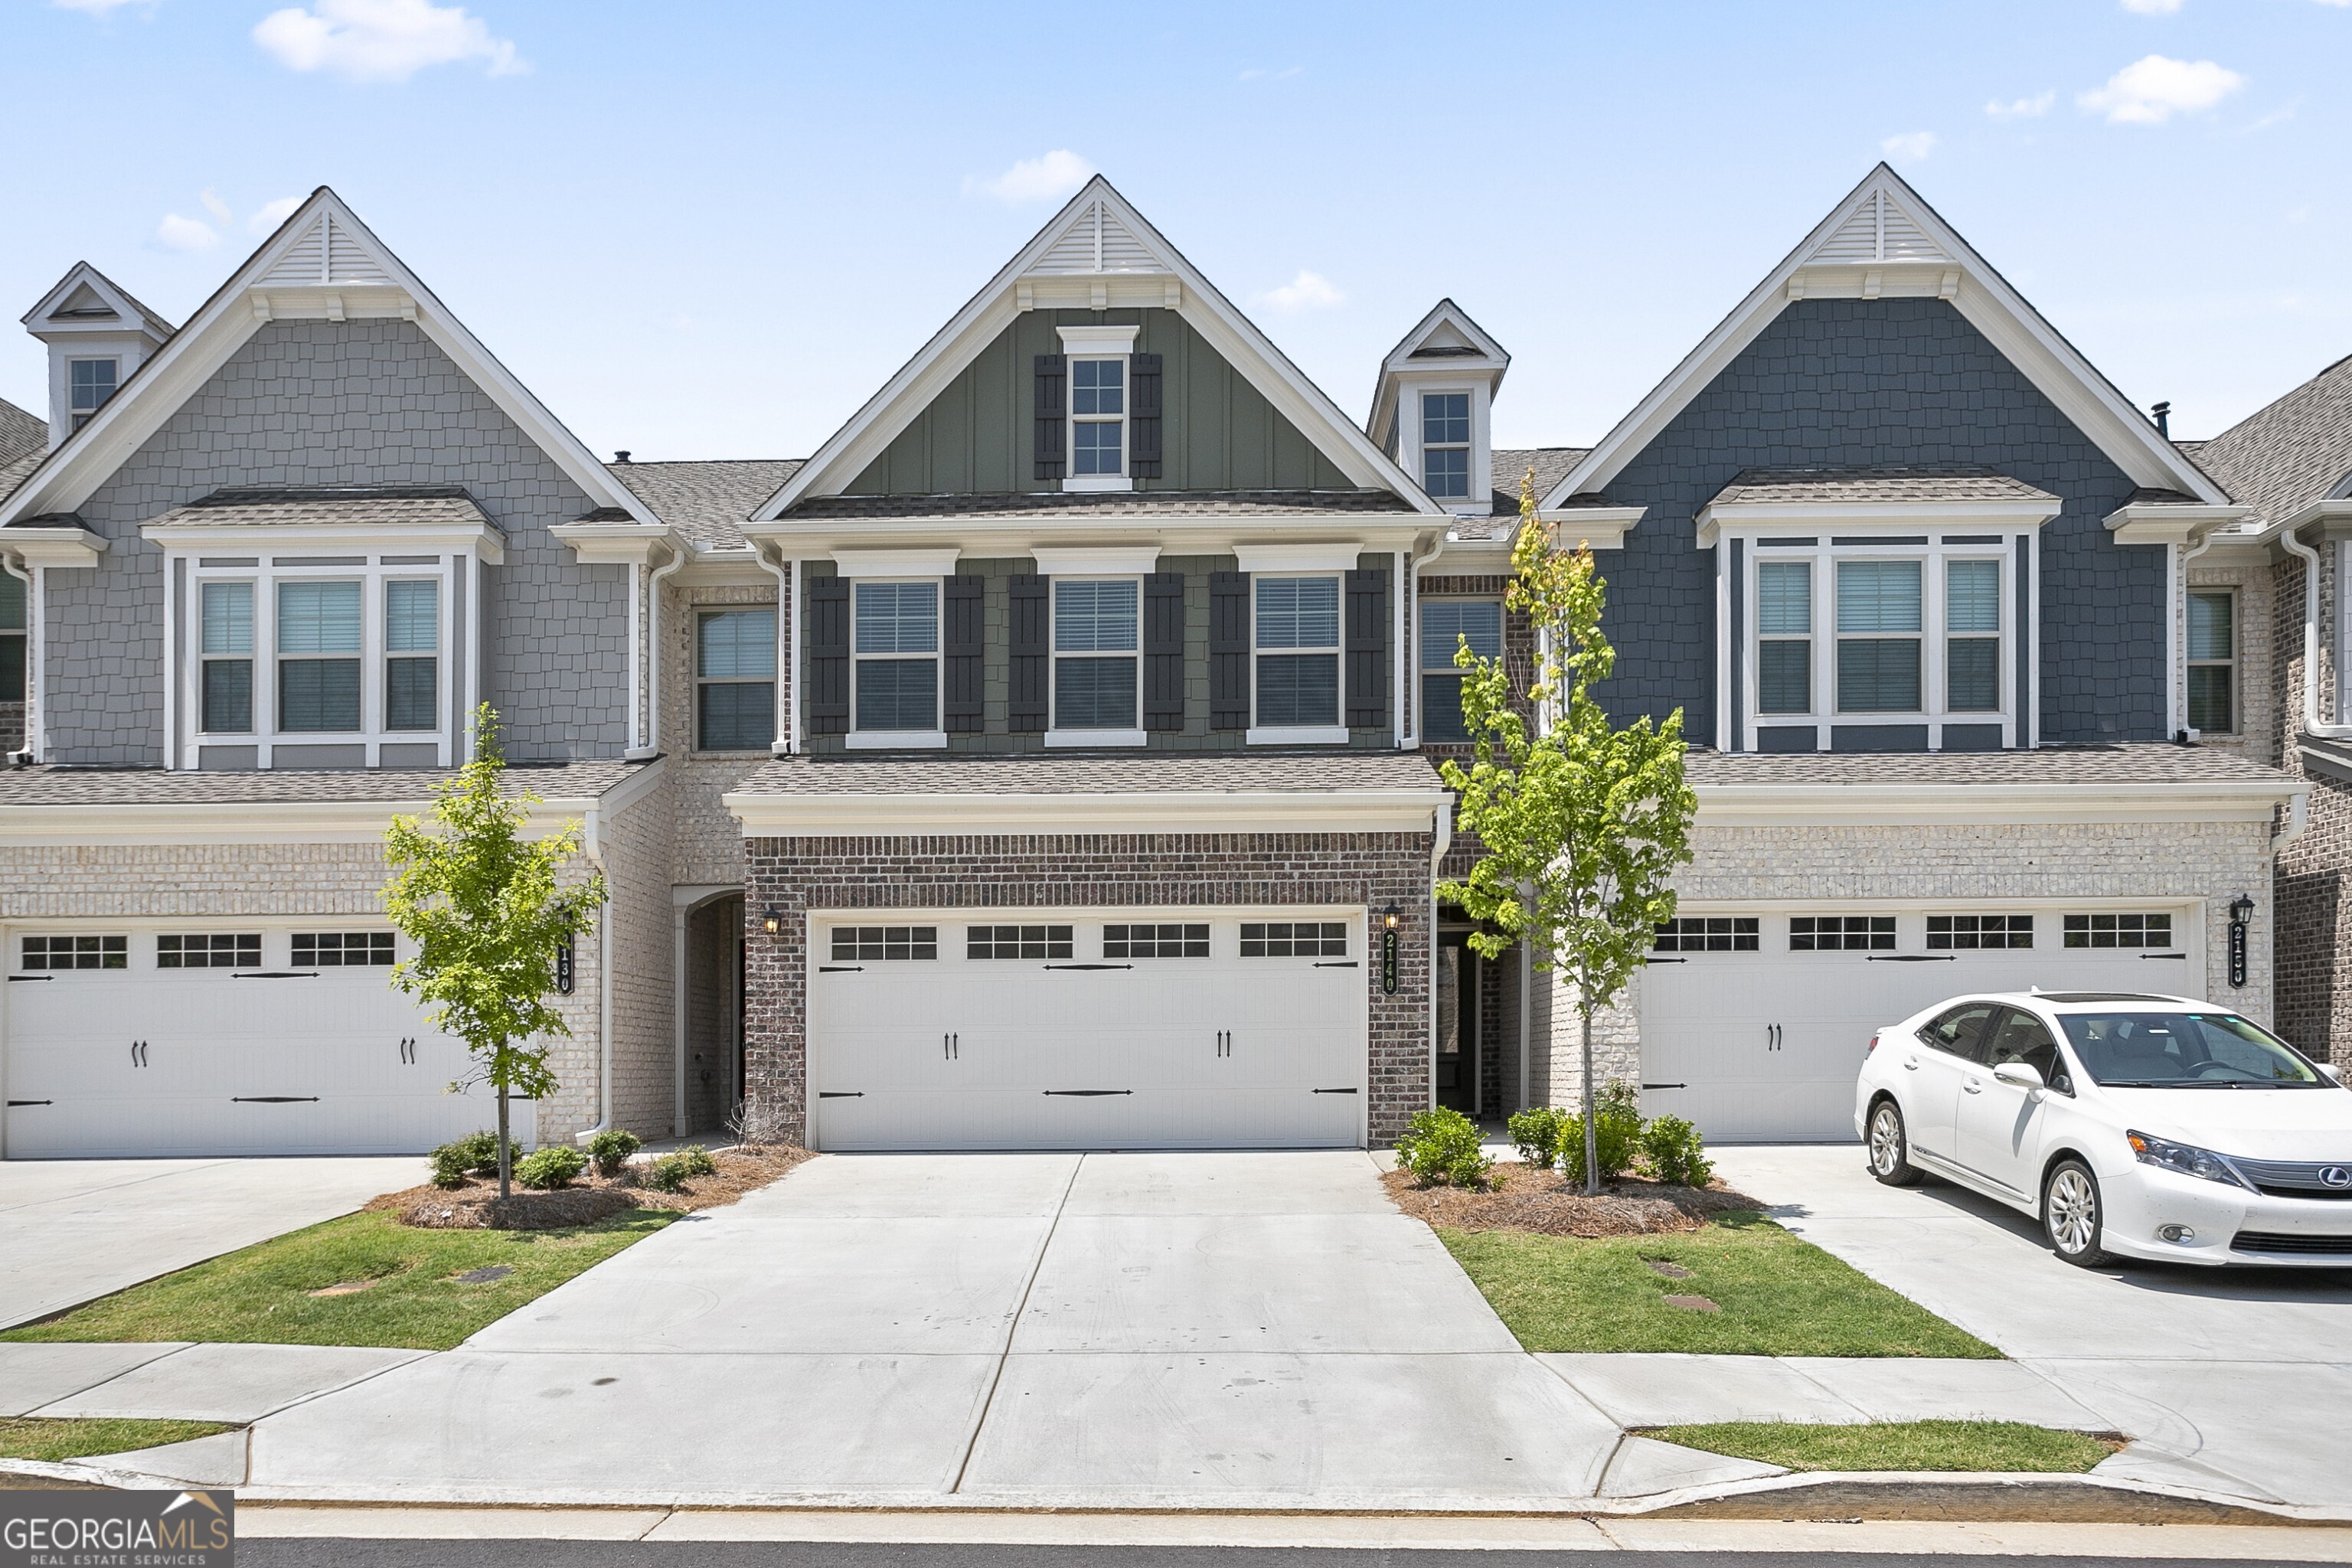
[1095, 1030]
[1754, 1027]
[199, 1040]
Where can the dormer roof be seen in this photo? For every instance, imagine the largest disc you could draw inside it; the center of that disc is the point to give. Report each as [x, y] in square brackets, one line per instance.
[87, 299]
[1445, 340]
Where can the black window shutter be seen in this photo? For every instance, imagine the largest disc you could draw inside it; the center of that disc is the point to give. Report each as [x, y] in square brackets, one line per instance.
[1163, 651]
[1143, 417]
[1367, 650]
[828, 656]
[962, 709]
[1033, 660]
[1050, 443]
[1229, 650]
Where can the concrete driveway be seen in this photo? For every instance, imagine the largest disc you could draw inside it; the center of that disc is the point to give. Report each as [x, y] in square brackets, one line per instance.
[1226, 1330]
[2235, 1381]
[74, 1230]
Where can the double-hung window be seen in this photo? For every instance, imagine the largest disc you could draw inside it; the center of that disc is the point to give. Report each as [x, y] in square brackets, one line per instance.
[89, 384]
[2213, 662]
[227, 680]
[1097, 417]
[1784, 632]
[1297, 652]
[1878, 636]
[1445, 445]
[411, 644]
[1096, 624]
[319, 658]
[895, 629]
[1972, 635]
[11, 639]
[1445, 624]
[734, 680]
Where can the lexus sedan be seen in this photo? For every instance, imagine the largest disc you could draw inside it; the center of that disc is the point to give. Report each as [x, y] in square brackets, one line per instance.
[2146, 1127]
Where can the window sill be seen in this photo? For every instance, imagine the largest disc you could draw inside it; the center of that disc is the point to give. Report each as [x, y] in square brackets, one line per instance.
[1056, 738]
[896, 740]
[1298, 735]
[1077, 482]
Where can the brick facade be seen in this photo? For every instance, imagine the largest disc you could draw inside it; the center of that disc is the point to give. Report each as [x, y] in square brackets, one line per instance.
[796, 875]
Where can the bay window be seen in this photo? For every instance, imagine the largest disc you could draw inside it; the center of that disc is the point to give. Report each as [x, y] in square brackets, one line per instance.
[11, 639]
[1445, 624]
[412, 639]
[895, 647]
[1096, 644]
[1297, 652]
[227, 676]
[1784, 627]
[1878, 626]
[1973, 636]
[317, 657]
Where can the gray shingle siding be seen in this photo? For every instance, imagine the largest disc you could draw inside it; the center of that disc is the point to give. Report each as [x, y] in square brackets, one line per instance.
[1852, 383]
[366, 401]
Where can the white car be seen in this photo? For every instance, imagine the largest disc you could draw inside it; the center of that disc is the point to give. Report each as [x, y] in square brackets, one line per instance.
[2149, 1127]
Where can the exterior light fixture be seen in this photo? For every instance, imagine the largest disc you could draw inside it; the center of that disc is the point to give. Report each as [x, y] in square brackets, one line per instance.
[1389, 919]
[2241, 914]
[773, 922]
[1389, 951]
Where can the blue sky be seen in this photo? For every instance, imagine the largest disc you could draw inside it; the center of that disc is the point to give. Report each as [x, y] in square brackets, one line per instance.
[711, 230]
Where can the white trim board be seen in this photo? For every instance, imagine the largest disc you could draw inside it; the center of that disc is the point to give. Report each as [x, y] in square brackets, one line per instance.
[1893, 805]
[1849, 254]
[1186, 811]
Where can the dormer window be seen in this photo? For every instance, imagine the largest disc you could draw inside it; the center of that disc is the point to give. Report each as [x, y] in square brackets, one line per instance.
[90, 382]
[1445, 445]
[1097, 417]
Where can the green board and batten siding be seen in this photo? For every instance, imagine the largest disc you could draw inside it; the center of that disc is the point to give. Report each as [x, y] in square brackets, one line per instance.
[1220, 433]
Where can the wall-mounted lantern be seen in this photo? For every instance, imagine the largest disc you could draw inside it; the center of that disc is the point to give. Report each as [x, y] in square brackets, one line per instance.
[772, 922]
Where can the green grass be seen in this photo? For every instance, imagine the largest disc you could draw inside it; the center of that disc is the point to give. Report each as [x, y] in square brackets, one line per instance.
[52, 1440]
[1779, 1296]
[261, 1295]
[1894, 1444]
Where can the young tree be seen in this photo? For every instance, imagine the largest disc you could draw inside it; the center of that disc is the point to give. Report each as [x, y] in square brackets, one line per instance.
[1582, 822]
[483, 908]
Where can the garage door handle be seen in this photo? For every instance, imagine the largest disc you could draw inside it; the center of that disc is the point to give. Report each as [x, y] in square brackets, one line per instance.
[13, 1103]
[1335, 1091]
[1913, 958]
[1666, 961]
[1349, 963]
[1090, 967]
[841, 1094]
[12, 980]
[273, 1100]
[275, 974]
[2178, 955]
[841, 968]
[1666, 1086]
[1085, 1093]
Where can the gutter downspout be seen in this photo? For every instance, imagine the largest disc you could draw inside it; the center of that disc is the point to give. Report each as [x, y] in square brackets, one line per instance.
[1409, 637]
[603, 1122]
[787, 574]
[2175, 632]
[1527, 1004]
[649, 743]
[36, 663]
[2311, 724]
[1443, 840]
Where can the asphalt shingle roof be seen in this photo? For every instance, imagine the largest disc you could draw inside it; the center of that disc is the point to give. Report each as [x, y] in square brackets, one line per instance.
[55, 786]
[24, 442]
[1510, 465]
[1145, 772]
[1831, 486]
[383, 506]
[2147, 763]
[1120, 503]
[2283, 458]
[708, 502]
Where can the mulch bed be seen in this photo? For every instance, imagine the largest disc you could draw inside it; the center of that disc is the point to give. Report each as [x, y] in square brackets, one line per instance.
[592, 1198]
[1546, 1203]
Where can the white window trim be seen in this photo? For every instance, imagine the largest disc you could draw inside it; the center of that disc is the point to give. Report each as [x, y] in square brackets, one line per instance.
[1301, 734]
[2234, 663]
[1935, 557]
[697, 681]
[78, 418]
[1469, 447]
[859, 740]
[1423, 652]
[1056, 736]
[1071, 419]
[1480, 501]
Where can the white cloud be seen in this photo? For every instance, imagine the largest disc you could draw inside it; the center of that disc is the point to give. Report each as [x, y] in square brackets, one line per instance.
[185, 233]
[215, 205]
[2023, 107]
[382, 40]
[2153, 7]
[2152, 91]
[1911, 144]
[271, 214]
[1046, 179]
[1308, 292]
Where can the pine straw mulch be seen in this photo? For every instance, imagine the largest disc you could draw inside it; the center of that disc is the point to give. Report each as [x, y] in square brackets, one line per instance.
[1546, 1203]
[476, 1207]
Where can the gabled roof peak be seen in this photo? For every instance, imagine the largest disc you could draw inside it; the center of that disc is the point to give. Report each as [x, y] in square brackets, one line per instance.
[86, 298]
[1445, 340]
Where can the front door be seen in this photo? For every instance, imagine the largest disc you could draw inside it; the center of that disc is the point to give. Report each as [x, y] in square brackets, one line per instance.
[1457, 1023]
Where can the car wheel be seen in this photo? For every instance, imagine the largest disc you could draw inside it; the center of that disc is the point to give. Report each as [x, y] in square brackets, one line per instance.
[1890, 1146]
[2071, 1216]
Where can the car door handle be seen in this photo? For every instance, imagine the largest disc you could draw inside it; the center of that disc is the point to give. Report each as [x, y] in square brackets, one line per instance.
[1972, 1087]
[1910, 1064]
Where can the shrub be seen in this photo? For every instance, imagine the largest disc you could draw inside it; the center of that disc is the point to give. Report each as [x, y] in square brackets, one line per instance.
[696, 1160]
[1675, 1153]
[477, 1153]
[1617, 1128]
[1442, 1145]
[611, 1149]
[667, 1174]
[557, 1165]
[1535, 1132]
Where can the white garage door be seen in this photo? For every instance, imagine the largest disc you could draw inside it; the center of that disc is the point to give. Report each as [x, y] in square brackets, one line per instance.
[200, 1039]
[1119, 1030]
[1754, 1027]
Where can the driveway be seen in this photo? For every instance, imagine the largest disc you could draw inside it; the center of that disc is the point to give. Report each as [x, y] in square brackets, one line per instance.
[1226, 1330]
[74, 1230]
[2236, 1381]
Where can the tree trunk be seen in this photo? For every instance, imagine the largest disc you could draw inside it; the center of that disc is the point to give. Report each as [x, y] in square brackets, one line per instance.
[506, 1150]
[1591, 1121]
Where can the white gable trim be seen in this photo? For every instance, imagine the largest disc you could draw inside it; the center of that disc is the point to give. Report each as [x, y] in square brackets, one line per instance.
[1489, 363]
[1100, 245]
[1884, 241]
[129, 314]
[322, 264]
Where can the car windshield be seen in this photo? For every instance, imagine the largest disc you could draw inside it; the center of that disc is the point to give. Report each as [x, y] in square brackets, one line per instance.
[2184, 1051]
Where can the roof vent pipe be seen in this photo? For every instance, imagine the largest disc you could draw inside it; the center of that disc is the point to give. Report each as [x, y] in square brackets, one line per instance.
[622, 455]
[2163, 412]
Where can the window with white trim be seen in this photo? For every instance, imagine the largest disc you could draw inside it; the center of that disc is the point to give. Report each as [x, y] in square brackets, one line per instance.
[1971, 636]
[1784, 631]
[342, 949]
[1296, 658]
[412, 644]
[212, 950]
[226, 679]
[1976, 932]
[1176, 940]
[11, 639]
[1019, 941]
[1878, 635]
[884, 944]
[1445, 445]
[51, 952]
[1097, 417]
[2118, 930]
[895, 641]
[89, 384]
[1842, 933]
[2213, 661]
[1096, 628]
[1295, 939]
[734, 680]
[319, 658]
[1445, 624]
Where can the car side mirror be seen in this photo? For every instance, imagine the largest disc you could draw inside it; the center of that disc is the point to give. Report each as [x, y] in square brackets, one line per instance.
[2024, 1074]
[2331, 1072]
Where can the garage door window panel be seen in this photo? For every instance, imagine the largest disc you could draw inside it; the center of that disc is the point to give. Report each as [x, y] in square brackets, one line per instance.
[860, 944]
[2120, 931]
[54, 953]
[342, 949]
[214, 949]
[1968, 933]
[896, 631]
[1096, 626]
[1709, 934]
[1445, 626]
[1019, 941]
[1297, 652]
[1295, 939]
[1842, 933]
[735, 680]
[1175, 940]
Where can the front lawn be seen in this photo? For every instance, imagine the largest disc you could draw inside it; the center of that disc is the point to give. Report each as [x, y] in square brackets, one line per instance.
[54, 1440]
[412, 1298]
[1774, 1294]
[1895, 1444]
